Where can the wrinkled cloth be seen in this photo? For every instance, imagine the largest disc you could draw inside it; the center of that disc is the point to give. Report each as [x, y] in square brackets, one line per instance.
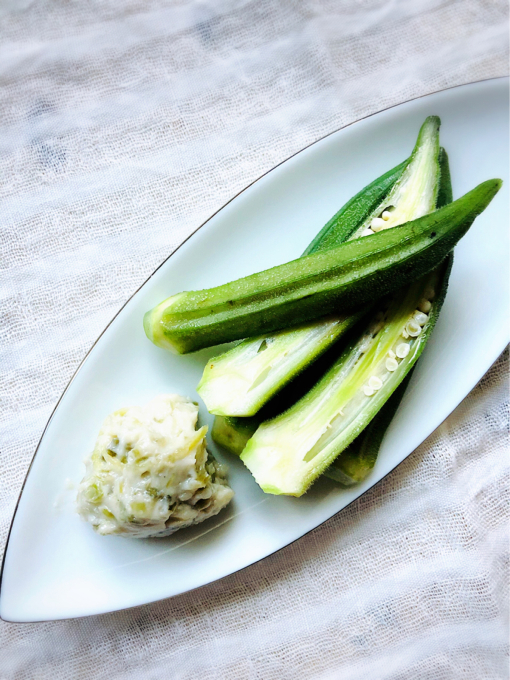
[123, 126]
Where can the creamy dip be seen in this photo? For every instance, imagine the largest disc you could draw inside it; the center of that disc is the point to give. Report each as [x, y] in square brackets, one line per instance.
[150, 473]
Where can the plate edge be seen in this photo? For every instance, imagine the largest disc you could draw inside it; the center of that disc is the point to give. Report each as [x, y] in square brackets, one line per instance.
[343, 127]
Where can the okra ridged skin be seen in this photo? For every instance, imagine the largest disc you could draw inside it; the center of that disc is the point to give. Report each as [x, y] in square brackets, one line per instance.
[288, 453]
[240, 381]
[232, 432]
[336, 280]
[343, 224]
[356, 462]
[337, 230]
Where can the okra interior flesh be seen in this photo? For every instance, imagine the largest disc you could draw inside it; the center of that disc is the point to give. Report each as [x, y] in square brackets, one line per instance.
[340, 280]
[414, 194]
[288, 453]
[233, 432]
[243, 379]
[355, 463]
[273, 454]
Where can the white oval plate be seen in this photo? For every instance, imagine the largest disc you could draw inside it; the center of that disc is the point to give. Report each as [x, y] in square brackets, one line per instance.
[57, 567]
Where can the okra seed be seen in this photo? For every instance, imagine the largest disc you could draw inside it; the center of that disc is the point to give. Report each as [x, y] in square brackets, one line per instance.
[425, 306]
[391, 364]
[377, 224]
[413, 328]
[375, 383]
[403, 350]
[430, 294]
[386, 215]
[405, 334]
[368, 391]
[421, 318]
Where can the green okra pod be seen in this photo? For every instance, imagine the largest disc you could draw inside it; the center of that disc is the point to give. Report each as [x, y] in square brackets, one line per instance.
[244, 378]
[340, 279]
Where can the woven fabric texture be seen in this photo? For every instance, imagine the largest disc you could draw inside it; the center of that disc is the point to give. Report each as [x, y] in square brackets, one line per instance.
[123, 126]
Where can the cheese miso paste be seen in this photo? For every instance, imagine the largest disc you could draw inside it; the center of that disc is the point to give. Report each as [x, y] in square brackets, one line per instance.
[150, 473]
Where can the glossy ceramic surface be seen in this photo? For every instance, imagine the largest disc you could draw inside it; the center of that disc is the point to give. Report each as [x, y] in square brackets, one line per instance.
[56, 567]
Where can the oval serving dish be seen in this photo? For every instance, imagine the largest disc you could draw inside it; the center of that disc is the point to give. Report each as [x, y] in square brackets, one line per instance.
[56, 567]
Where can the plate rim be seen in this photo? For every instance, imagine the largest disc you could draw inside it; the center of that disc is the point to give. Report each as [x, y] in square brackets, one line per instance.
[85, 357]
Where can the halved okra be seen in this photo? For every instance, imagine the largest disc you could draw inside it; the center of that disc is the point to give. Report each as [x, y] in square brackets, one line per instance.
[243, 379]
[351, 467]
[286, 454]
[354, 463]
[341, 279]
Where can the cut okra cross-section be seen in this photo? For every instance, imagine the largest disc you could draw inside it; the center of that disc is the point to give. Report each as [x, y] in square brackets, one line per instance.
[243, 379]
[288, 453]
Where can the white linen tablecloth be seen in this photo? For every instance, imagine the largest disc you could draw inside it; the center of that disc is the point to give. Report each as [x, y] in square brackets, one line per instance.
[123, 126]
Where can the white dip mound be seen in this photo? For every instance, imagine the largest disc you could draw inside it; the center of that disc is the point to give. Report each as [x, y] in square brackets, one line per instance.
[150, 473]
